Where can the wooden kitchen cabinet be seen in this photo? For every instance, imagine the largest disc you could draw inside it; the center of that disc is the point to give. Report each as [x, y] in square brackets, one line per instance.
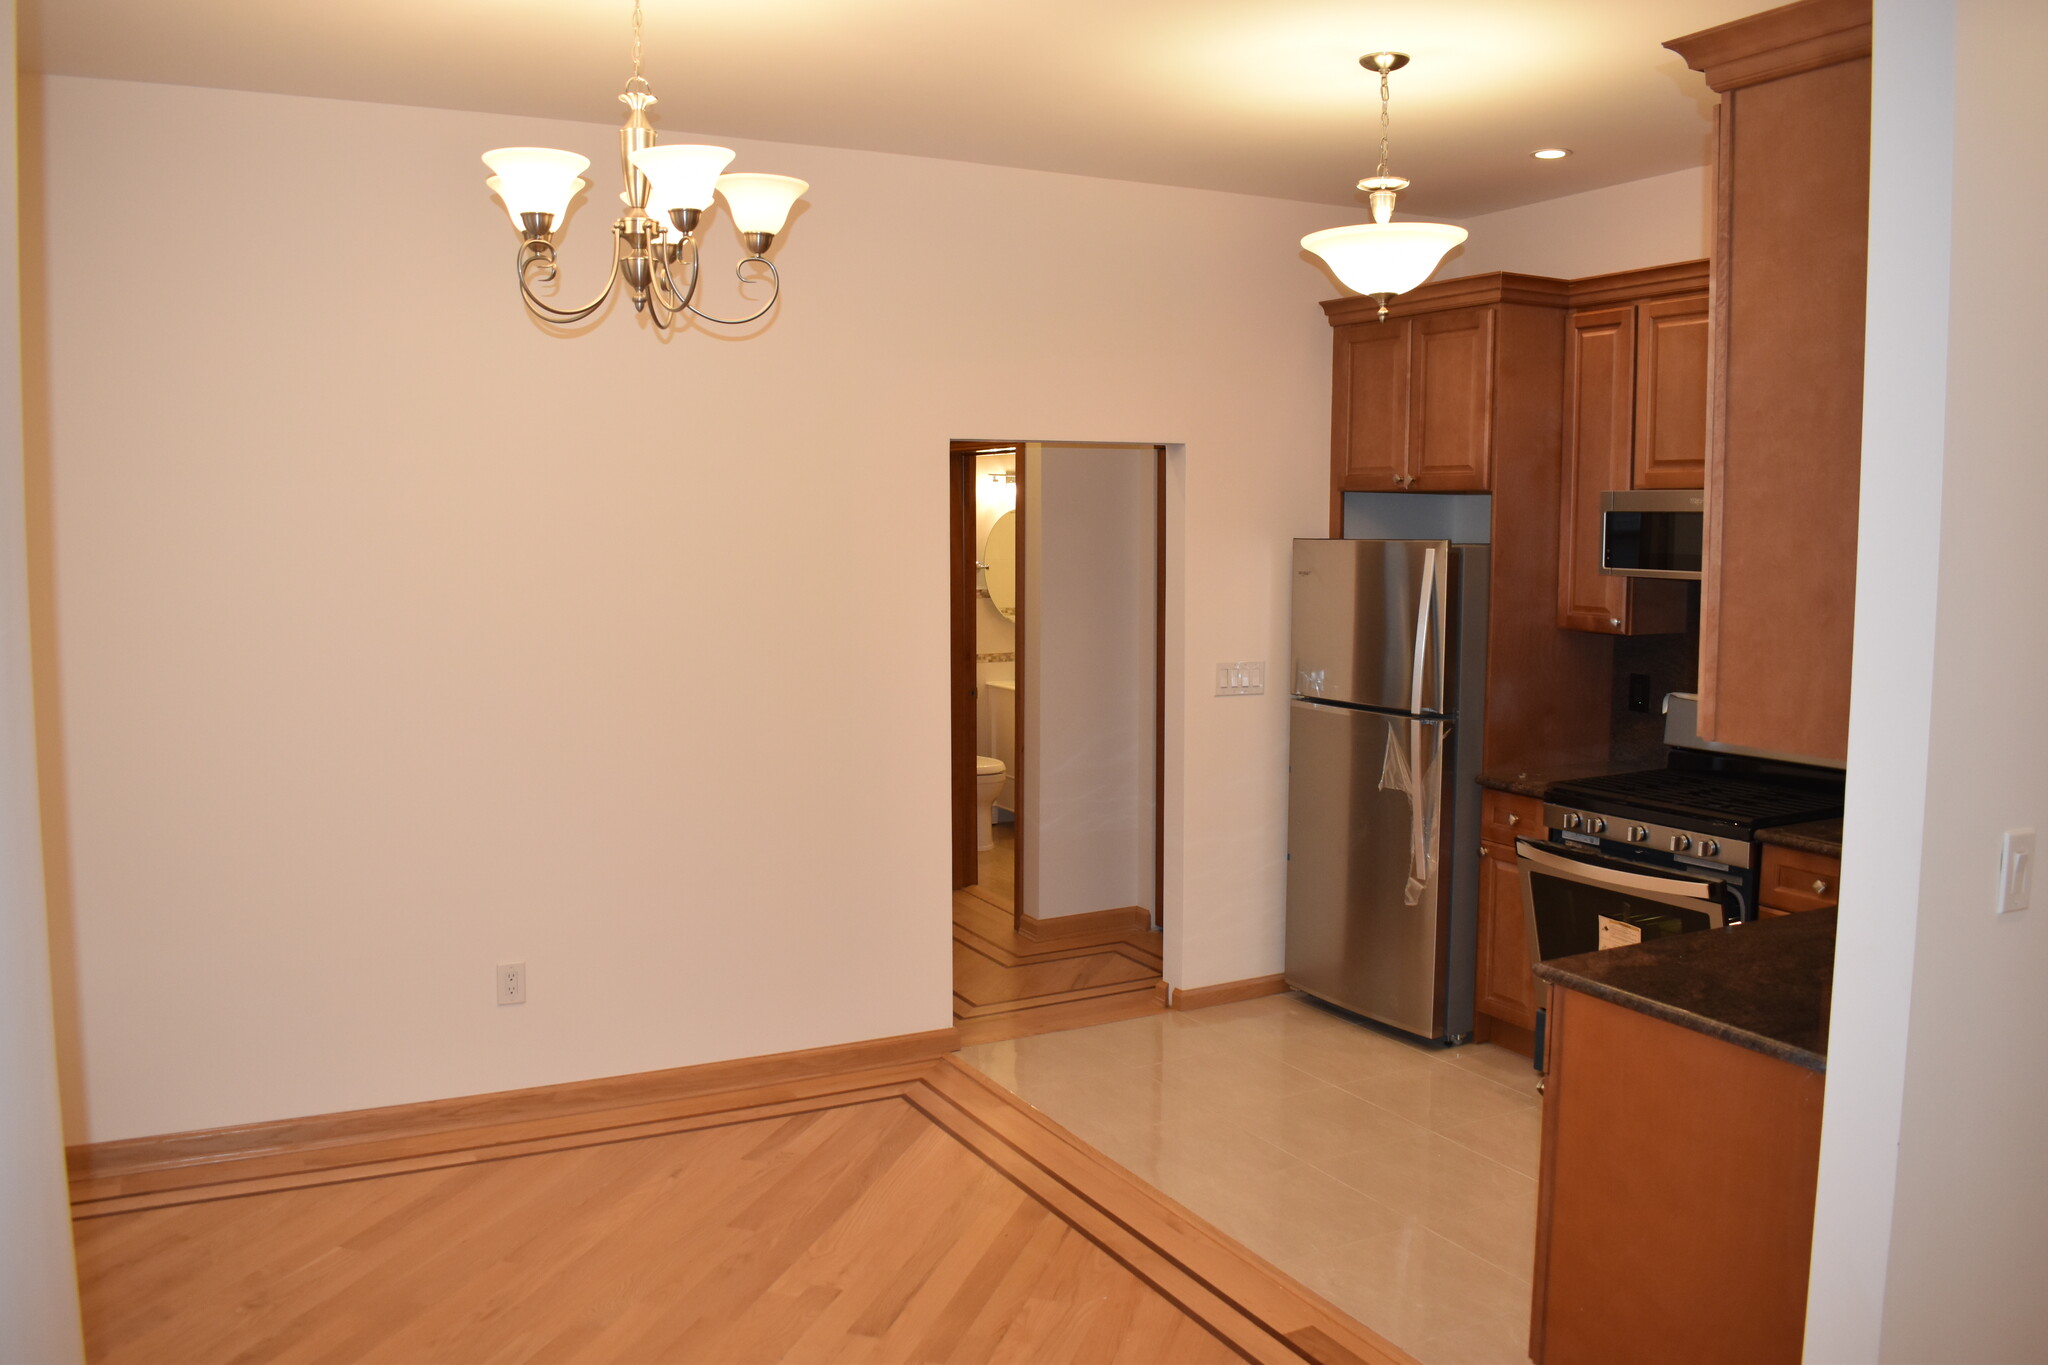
[1791, 211]
[1413, 403]
[1792, 880]
[1675, 1195]
[1505, 992]
[1634, 417]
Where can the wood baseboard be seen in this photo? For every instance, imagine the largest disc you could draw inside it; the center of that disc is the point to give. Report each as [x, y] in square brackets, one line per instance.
[1129, 919]
[92, 1163]
[1229, 992]
[1501, 1033]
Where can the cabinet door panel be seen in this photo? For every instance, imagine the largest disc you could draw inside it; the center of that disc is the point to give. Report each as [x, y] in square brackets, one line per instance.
[1369, 439]
[1599, 422]
[1671, 394]
[1507, 987]
[1451, 438]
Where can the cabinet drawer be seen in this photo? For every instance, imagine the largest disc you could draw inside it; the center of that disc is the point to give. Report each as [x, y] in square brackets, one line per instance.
[1505, 817]
[1799, 881]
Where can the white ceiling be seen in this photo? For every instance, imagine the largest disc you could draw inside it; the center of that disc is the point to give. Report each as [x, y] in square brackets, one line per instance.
[1256, 96]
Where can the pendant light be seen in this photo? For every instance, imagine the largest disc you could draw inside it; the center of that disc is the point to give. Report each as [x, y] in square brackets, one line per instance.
[1382, 258]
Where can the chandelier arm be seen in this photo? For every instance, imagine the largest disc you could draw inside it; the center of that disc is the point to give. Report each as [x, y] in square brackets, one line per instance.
[678, 299]
[542, 255]
[774, 275]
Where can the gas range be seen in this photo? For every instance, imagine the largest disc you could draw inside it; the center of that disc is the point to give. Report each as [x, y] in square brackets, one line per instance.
[1699, 809]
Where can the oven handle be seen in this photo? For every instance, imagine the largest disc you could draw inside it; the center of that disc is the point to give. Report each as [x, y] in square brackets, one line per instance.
[1610, 877]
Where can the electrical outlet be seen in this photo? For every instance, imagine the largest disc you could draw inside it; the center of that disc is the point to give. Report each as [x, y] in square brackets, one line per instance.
[2016, 871]
[511, 983]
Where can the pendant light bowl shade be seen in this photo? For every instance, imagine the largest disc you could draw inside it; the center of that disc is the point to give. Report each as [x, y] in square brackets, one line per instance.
[760, 203]
[682, 176]
[559, 210]
[1384, 258]
[536, 179]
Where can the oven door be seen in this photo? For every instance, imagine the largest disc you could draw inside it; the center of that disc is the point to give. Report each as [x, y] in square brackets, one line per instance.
[1576, 900]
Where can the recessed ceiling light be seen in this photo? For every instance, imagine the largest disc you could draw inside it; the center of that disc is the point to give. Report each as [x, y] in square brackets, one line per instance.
[1551, 153]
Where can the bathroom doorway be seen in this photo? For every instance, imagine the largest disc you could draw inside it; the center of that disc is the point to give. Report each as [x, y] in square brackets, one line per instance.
[1058, 610]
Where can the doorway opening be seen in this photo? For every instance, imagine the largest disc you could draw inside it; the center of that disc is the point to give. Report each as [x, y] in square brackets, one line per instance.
[1058, 556]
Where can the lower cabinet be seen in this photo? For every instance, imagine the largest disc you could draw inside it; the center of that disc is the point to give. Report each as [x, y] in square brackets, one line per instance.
[1505, 994]
[1675, 1202]
[1792, 881]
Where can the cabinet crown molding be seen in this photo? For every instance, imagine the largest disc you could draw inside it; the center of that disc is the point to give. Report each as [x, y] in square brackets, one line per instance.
[1465, 291]
[1778, 43]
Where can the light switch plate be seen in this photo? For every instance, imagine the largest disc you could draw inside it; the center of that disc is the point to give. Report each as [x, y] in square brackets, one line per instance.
[2016, 871]
[1243, 679]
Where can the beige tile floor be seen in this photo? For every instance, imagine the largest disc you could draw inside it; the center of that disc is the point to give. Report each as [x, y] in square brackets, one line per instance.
[1398, 1181]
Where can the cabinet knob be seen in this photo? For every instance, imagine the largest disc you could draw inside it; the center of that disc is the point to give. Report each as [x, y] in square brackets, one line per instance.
[1820, 888]
[1614, 622]
[1514, 819]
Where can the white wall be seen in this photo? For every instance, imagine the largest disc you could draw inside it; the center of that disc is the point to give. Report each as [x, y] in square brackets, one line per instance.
[38, 1294]
[394, 637]
[1090, 631]
[1932, 1223]
[1656, 221]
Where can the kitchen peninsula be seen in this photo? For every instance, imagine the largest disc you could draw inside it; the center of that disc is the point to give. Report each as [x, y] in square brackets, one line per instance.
[1681, 1144]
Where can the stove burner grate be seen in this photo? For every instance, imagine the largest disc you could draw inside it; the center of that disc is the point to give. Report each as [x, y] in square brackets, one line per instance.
[1717, 796]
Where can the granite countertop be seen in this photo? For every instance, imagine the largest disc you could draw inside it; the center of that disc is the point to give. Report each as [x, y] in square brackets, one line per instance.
[1764, 986]
[1538, 784]
[1815, 836]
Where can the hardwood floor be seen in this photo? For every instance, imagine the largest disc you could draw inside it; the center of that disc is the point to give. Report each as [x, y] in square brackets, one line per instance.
[1009, 985]
[905, 1214]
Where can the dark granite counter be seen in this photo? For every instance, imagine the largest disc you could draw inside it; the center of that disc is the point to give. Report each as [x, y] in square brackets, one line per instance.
[1763, 986]
[1538, 784]
[1815, 836]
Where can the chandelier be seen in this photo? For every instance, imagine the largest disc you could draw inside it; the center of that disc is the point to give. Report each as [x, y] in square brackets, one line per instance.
[1381, 259]
[654, 242]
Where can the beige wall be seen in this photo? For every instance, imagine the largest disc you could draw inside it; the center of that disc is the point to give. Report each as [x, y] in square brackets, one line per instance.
[1090, 613]
[393, 637]
[38, 1295]
[1933, 1216]
[1622, 227]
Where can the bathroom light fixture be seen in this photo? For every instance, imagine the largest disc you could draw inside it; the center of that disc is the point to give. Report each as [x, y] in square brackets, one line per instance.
[1551, 153]
[654, 241]
[1381, 259]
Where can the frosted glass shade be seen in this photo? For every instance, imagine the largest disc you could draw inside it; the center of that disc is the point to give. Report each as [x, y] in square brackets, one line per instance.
[535, 179]
[681, 177]
[760, 203]
[1384, 258]
[569, 191]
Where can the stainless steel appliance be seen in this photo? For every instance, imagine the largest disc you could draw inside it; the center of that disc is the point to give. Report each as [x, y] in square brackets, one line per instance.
[1388, 681]
[1662, 851]
[1653, 533]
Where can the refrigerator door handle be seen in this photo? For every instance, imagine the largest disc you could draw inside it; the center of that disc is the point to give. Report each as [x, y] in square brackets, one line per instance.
[1422, 630]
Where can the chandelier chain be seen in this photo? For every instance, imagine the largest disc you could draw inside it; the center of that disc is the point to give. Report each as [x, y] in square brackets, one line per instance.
[636, 40]
[1385, 120]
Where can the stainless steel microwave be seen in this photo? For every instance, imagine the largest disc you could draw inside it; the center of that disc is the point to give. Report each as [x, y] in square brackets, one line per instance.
[1653, 533]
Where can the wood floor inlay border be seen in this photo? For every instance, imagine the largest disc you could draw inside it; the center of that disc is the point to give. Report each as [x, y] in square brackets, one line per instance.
[1227, 1294]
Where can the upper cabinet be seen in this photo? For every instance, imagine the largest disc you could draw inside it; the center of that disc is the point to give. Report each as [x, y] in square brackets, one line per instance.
[1634, 417]
[1413, 403]
[1785, 409]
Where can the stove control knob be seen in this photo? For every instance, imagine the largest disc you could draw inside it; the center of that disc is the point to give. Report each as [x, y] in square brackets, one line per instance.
[1595, 825]
[1710, 848]
[1571, 821]
[1680, 843]
[1638, 835]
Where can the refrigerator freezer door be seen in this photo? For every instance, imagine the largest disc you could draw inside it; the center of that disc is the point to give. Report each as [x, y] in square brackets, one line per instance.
[1367, 915]
[1369, 620]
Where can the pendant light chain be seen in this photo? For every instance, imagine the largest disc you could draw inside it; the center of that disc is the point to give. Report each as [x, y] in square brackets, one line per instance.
[1385, 121]
[636, 40]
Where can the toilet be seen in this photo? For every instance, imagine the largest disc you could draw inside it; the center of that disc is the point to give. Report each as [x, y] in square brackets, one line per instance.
[989, 776]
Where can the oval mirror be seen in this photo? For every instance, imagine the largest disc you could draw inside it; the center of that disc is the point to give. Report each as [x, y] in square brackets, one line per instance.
[999, 560]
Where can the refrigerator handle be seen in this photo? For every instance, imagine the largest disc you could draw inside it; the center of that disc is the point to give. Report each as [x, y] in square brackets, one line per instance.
[1422, 630]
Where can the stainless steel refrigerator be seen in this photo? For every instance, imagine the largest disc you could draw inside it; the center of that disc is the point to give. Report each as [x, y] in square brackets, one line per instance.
[1388, 687]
